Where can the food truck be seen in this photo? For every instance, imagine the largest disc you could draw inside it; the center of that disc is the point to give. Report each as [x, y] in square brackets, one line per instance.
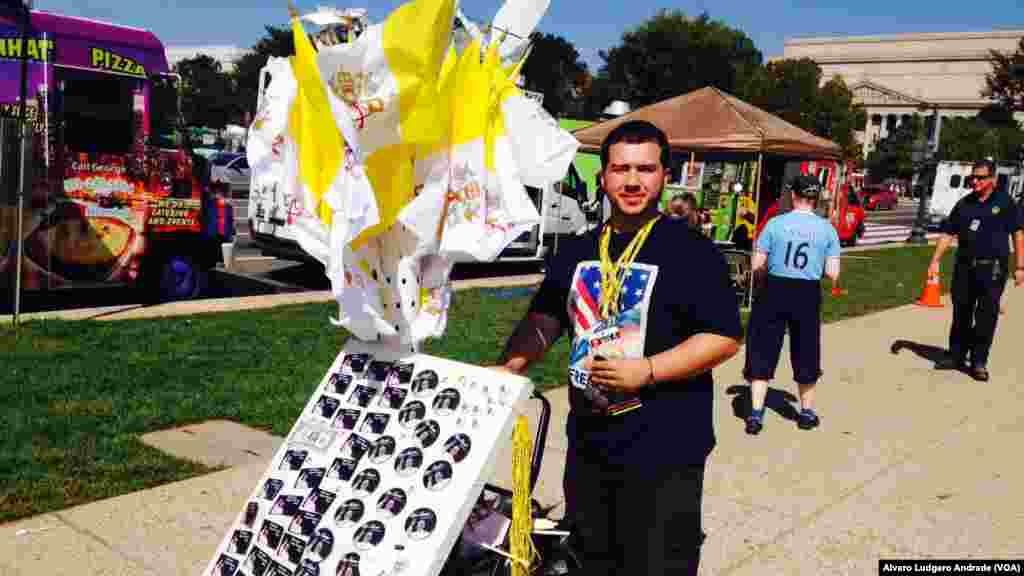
[103, 203]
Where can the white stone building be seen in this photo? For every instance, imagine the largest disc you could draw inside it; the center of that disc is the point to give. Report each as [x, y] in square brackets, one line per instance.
[936, 75]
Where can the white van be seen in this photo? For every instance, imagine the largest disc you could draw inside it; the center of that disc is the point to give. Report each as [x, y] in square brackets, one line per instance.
[951, 179]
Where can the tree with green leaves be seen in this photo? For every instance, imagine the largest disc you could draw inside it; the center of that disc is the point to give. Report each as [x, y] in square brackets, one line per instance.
[672, 54]
[277, 42]
[787, 88]
[894, 156]
[1005, 83]
[968, 139]
[207, 93]
[554, 68]
[792, 90]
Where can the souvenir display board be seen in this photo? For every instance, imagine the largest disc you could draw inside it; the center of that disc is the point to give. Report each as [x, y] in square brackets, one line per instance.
[380, 472]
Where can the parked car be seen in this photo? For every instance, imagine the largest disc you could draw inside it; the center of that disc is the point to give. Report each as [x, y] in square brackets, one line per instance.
[880, 197]
[848, 220]
[231, 169]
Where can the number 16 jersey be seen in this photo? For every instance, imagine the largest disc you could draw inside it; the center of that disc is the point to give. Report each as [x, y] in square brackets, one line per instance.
[797, 244]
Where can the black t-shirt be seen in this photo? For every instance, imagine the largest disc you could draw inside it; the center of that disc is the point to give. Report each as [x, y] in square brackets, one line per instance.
[678, 286]
[983, 228]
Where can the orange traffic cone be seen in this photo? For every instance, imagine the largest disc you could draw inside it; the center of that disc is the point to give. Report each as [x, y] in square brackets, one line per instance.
[932, 294]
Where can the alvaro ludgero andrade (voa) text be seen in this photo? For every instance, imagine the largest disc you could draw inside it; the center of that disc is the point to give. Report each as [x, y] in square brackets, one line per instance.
[951, 567]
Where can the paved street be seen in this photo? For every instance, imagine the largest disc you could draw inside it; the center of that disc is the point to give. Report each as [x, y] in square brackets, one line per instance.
[902, 215]
[891, 226]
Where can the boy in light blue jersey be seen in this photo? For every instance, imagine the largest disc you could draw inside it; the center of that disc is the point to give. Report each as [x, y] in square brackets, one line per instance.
[798, 245]
[793, 251]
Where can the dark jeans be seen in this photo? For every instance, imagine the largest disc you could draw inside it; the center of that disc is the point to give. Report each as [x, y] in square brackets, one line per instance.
[977, 288]
[641, 521]
[785, 303]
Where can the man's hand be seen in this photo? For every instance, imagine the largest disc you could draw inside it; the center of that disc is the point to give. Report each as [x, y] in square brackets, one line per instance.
[1018, 278]
[502, 368]
[620, 375]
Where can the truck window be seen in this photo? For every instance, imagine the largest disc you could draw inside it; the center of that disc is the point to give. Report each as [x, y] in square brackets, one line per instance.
[98, 117]
[163, 112]
[954, 181]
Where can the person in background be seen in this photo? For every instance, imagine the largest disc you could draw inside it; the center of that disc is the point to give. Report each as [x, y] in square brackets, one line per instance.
[742, 236]
[684, 207]
[793, 252]
[706, 226]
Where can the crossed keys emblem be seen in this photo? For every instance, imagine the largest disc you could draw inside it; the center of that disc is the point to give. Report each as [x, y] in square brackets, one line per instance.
[351, 88]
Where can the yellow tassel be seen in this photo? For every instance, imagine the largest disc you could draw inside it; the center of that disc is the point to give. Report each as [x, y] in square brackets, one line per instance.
[520, 543]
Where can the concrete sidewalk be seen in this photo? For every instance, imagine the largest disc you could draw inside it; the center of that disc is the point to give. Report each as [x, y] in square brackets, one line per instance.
[908, 463]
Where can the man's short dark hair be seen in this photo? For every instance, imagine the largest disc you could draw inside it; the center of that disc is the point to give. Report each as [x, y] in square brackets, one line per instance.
[985, 163]
[689, 198]
[636, 132]
[806, 187]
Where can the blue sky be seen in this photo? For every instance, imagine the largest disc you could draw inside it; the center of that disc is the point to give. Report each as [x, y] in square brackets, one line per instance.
[591, 24]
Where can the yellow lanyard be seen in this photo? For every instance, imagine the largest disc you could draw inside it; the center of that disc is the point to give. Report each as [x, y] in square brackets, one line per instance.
[613, 276]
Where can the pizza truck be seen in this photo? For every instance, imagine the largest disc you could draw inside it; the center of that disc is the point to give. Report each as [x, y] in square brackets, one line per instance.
[103, 204]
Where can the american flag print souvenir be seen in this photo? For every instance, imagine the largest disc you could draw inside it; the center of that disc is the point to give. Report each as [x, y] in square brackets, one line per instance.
[622, 335]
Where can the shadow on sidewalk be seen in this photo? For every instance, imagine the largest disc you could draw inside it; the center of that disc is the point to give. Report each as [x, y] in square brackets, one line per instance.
[779, 401]
[930, 353]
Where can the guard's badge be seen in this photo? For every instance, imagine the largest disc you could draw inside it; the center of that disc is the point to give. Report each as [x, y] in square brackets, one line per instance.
[995, 209]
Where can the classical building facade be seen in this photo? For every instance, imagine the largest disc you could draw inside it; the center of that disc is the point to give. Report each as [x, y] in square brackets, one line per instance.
[937, 75]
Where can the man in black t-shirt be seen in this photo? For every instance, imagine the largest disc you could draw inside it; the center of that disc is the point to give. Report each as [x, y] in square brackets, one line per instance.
[650, 310]
[982, 223]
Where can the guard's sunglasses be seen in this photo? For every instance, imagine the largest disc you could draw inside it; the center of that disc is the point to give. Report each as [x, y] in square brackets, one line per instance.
[971, 181]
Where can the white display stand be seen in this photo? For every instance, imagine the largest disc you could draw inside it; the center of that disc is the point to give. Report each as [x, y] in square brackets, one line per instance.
[380, 472]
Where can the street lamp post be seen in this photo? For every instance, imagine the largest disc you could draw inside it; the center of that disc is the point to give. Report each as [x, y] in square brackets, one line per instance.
[919, 233]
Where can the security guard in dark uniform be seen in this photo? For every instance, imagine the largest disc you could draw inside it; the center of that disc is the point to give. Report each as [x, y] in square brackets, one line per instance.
[982, 223]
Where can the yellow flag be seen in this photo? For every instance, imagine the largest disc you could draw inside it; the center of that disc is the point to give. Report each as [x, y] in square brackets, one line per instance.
[321, 148]
[414, 41]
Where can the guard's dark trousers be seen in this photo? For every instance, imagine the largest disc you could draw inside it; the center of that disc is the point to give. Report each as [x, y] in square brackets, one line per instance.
[977, 288]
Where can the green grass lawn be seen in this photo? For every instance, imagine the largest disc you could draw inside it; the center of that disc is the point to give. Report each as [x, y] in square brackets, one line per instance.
[75, 396]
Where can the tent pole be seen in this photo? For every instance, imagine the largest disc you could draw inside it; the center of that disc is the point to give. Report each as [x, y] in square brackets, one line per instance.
[757, 218]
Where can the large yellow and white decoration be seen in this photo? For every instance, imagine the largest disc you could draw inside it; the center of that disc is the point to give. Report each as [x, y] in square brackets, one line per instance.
[404, 156]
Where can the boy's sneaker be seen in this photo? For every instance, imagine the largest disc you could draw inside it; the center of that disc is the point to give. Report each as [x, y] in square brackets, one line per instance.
[980, 373]
[808, 420]
[755, 422]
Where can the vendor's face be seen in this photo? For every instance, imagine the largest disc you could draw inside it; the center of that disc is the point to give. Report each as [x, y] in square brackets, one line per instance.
[634, 176]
